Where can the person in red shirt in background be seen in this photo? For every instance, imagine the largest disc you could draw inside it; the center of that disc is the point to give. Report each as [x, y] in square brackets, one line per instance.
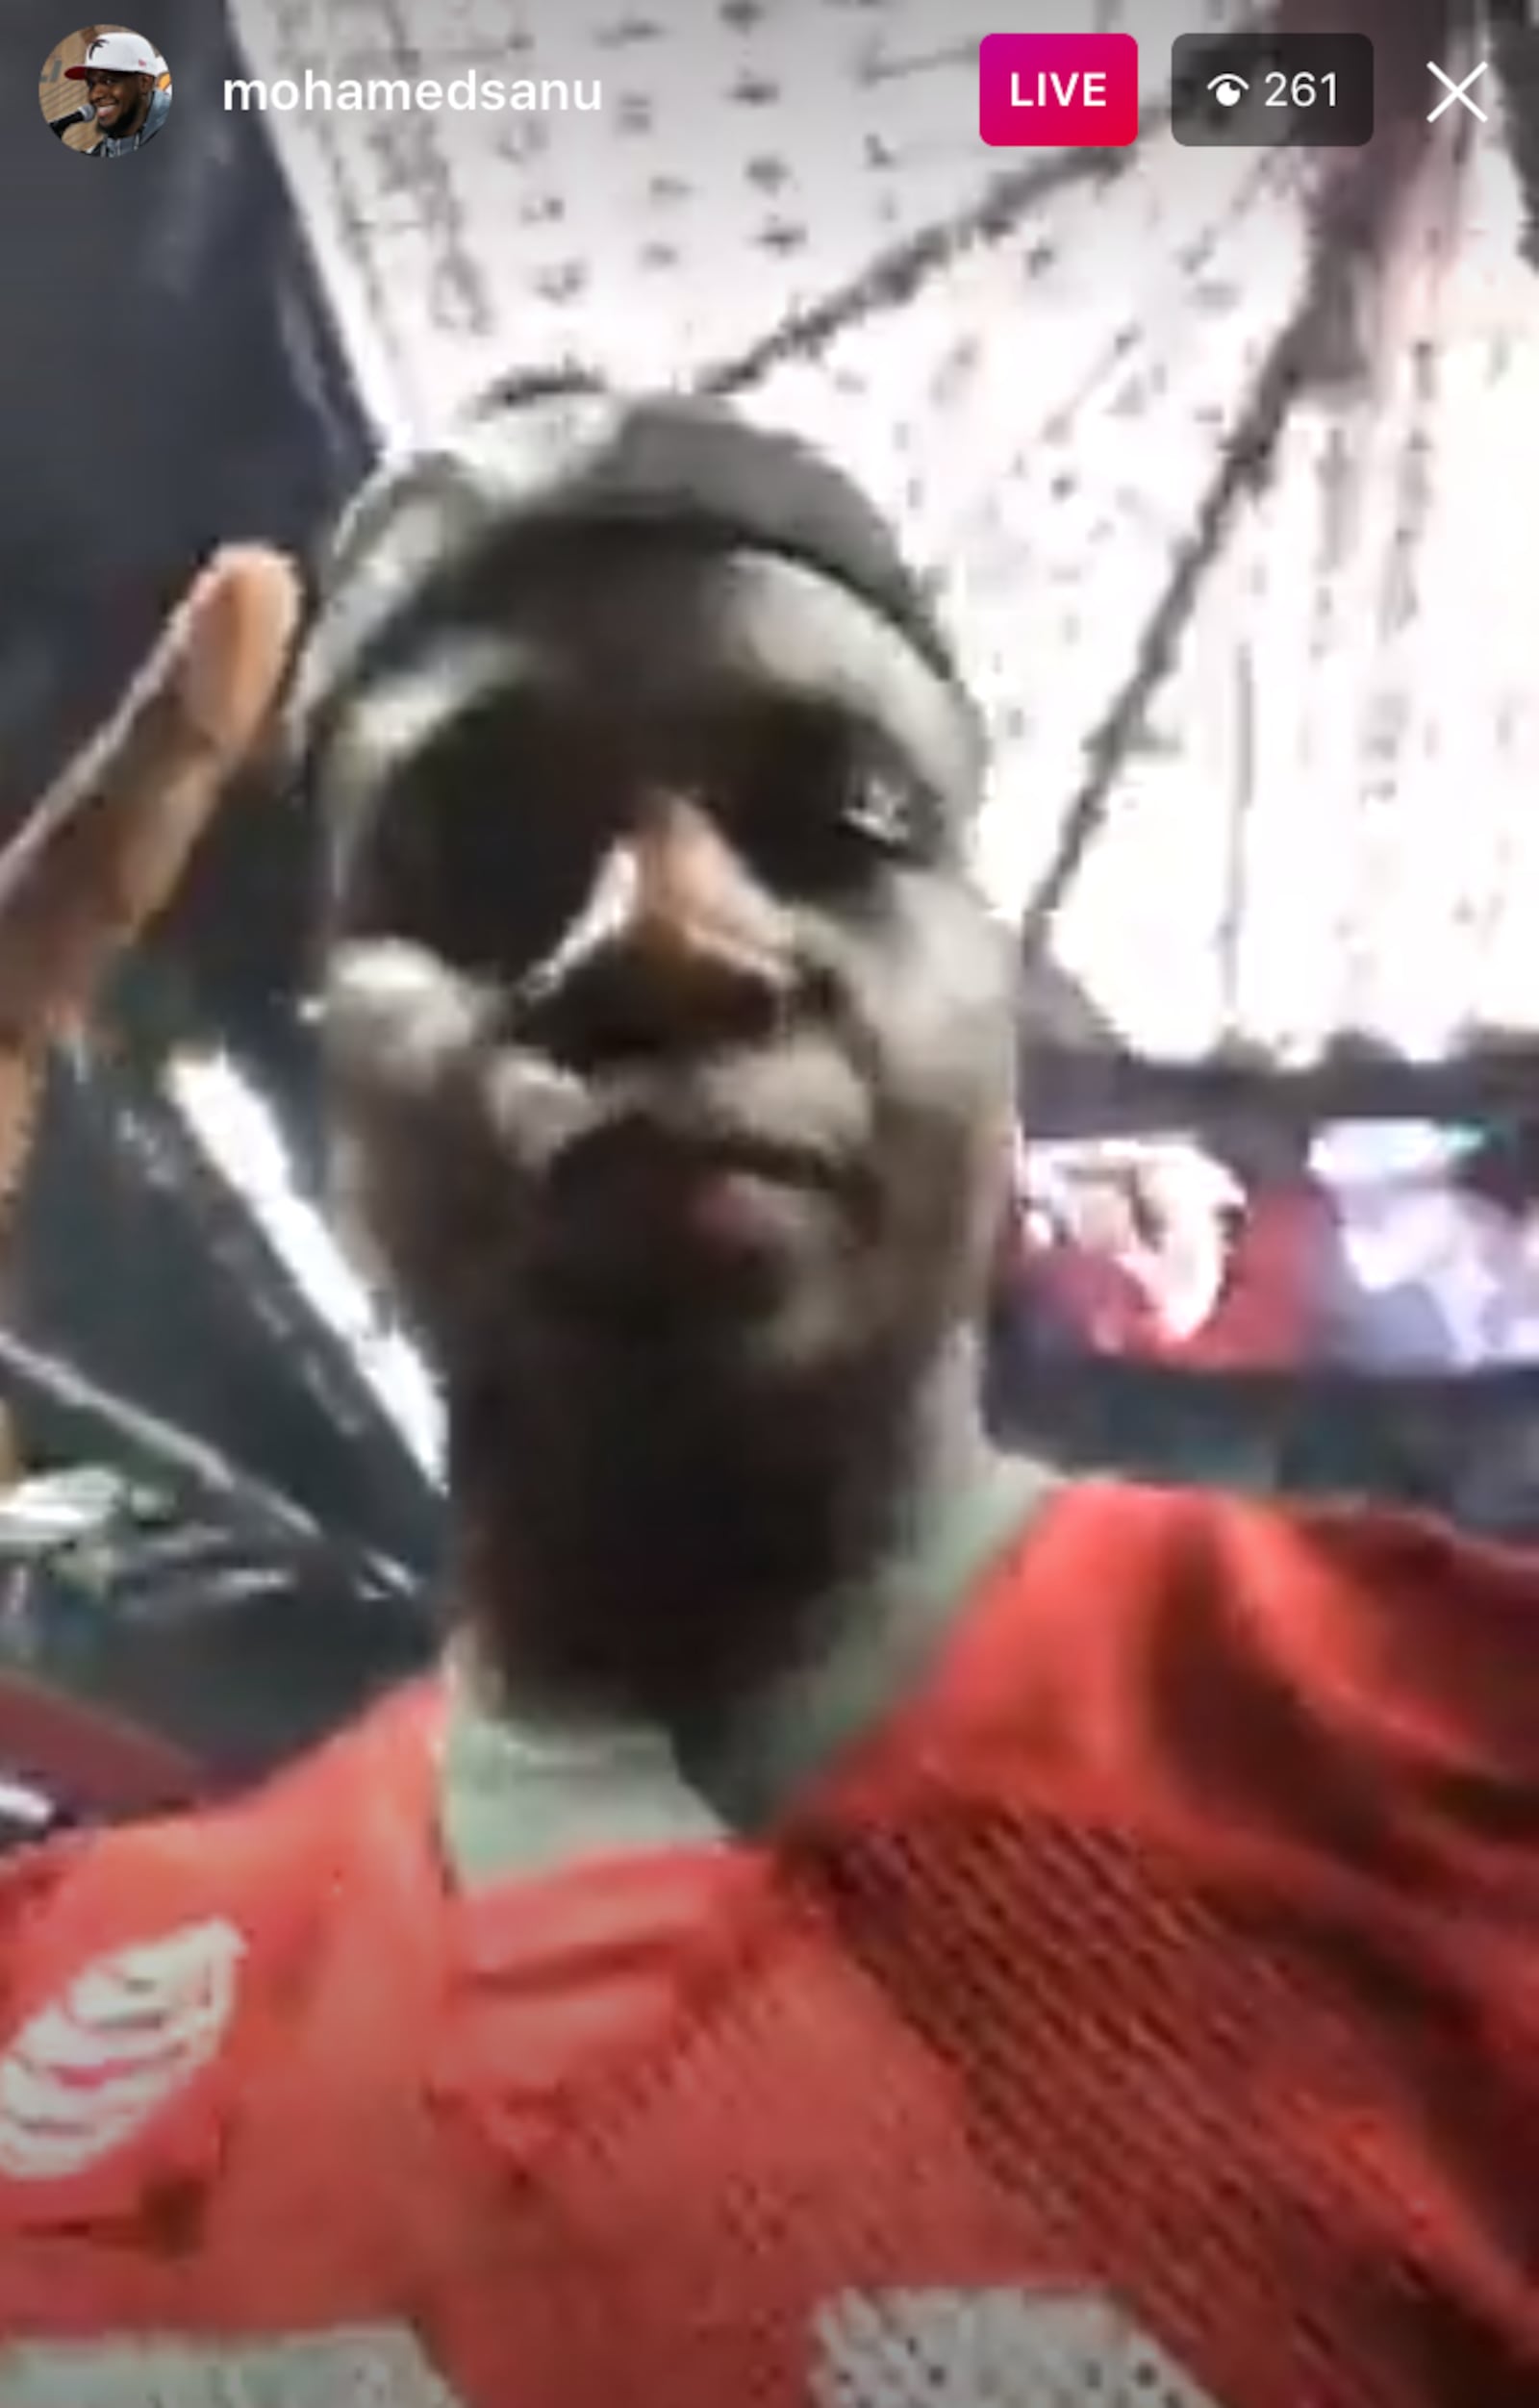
[1166, 1251]
[1076, 1268]
[1282, 1262]
[857, 1919]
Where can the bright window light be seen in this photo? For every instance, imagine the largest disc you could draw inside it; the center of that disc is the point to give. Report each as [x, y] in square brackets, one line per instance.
[241, 1136]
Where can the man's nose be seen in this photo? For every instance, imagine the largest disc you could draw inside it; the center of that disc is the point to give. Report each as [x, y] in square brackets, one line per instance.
[695, 902]
[682, 944]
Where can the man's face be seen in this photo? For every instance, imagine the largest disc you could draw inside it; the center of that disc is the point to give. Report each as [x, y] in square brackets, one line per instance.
[119, 100]
[665, 1025]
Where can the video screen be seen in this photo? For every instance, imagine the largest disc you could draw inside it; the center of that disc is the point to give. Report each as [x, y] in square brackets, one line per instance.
[1394, 1248]
[769, 1204]
[1189, 357]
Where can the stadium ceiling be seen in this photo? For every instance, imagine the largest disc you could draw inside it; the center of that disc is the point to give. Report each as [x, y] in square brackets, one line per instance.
[1223, 456]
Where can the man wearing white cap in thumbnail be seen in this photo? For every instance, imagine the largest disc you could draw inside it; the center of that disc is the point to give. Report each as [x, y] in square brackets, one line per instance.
[121, 74]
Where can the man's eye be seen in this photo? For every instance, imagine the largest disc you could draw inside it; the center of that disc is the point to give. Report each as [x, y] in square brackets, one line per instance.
[462, 875]
[852, 837]
[817, 812]
[883, 810]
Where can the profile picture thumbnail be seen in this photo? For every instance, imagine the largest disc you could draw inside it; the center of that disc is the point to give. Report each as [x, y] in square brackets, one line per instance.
[104, 90]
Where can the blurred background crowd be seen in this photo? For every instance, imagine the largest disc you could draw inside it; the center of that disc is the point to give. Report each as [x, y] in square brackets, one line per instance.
[1377, 1247]
[1352, 1311]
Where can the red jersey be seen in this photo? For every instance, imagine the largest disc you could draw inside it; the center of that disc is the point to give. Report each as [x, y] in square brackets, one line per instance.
[1096, 1298]
[1148, 2014]
[1281, 1279]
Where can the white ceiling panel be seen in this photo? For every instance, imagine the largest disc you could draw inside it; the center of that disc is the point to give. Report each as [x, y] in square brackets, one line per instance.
[1326, 814]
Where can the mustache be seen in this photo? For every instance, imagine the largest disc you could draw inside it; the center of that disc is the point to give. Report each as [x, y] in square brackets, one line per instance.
[410, 1036]
[791, 1106]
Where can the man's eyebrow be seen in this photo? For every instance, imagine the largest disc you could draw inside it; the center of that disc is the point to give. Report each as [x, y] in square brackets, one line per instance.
[460, 675]
[425, 683]
[401, 708]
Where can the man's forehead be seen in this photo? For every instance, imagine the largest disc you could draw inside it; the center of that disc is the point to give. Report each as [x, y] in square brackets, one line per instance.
[662, 630]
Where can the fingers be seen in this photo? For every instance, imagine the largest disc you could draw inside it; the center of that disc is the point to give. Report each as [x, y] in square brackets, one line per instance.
[20, 1084]
[105, 849]
[226, 650]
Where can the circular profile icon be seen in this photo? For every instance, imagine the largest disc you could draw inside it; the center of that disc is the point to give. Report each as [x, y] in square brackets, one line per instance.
[105, 92]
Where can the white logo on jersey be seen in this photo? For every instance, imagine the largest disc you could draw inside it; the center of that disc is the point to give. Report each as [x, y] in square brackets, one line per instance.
[131, 2030]
[990, 2349]
[370, 2368]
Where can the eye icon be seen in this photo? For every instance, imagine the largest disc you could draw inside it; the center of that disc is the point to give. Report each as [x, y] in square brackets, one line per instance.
[1228, 89]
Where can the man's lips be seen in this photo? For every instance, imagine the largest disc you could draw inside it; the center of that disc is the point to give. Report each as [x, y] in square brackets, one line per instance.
[654, 1157]
[640, 1193]
[744, 1159]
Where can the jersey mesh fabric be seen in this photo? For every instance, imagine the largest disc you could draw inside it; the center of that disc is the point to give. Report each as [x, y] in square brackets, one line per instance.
[998, 2056]
[1146, 2023]
[1184, 2056]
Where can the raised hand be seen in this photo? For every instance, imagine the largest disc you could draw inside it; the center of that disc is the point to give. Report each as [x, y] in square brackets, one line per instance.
[103, 850]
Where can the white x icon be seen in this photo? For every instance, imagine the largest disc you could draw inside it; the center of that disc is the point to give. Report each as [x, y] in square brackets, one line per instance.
[1457, 91]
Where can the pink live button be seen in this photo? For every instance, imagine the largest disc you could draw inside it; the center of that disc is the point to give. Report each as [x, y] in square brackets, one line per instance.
[1058, 92]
